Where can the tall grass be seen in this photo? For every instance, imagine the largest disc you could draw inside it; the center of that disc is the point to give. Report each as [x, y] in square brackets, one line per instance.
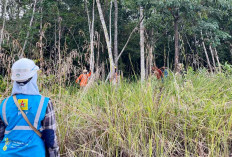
[183, 116]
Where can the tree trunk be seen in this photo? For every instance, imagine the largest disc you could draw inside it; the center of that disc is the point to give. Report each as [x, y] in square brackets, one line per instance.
[217, 58]
[106, 38]
[41, 37]
[116, 33]
[206, 54]
[147, 65]
[98, 49]
[150, 58]
[3, 26]
[92, 40]
[176, 43]
[59, 62]
[59, 38]
[124, 47]
[165, 56]
[87, 12]
[91, 34]
[151, 47]
[142, 64]
[212, 54]
[2, 8]
[28, 32]
[110, 22]
[55, 43]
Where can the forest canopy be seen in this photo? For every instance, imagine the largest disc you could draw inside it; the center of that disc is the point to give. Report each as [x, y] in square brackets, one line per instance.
[67, 36]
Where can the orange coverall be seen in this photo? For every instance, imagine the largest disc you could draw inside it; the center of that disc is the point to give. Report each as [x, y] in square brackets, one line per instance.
[157, 72]
[83, 78]
[160, 74]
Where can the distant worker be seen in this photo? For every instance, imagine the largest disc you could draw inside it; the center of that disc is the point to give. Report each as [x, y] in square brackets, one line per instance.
[83, 78]
[164, 71]
[27, 119]
[157, 72]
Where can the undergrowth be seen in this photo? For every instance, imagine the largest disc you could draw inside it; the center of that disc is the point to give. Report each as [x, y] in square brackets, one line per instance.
[183, 116]
[186, 115]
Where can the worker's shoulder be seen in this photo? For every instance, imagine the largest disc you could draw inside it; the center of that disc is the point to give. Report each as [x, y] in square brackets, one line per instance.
[46, 98]
[2, 102]
[39, 98]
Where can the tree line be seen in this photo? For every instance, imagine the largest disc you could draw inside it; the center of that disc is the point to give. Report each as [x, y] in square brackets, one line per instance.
[65, 36]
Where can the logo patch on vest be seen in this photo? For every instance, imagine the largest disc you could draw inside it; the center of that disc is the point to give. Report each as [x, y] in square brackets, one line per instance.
[23, 104]
[6, 143]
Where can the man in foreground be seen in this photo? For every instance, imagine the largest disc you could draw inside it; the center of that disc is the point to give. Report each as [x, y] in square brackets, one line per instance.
[27, 119]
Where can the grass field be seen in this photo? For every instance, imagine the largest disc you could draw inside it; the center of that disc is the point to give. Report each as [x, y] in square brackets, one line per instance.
[183, 116]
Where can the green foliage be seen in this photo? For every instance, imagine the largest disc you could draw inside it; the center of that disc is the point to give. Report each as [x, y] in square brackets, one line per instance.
[227, 68]
[212, 18]
[3, 84]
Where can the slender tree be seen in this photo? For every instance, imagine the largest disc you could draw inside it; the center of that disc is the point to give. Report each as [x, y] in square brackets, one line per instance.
[92, 39]
[142, 61]
[206, 54]
[106, 38]
[41, 36]
[29, 29]
[176, 28]
[3, 26]
[116, 32]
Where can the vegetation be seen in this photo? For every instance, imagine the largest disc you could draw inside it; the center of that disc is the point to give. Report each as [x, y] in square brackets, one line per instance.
[183, 115]
[137, 34]
[188, 116]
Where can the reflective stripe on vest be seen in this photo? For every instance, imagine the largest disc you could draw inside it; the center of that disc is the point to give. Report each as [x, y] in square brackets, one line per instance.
[25, 127]
[38, 112]
[4, 111]
[19, 128]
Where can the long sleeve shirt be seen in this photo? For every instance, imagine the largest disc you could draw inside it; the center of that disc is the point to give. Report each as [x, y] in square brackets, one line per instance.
[48, 132]
[83, 78]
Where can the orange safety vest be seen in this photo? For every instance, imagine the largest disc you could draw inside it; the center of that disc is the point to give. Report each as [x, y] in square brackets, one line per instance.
[83, 78]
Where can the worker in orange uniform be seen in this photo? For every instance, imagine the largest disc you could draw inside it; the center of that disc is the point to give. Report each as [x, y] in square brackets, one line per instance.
[157, 72]
[83, 78]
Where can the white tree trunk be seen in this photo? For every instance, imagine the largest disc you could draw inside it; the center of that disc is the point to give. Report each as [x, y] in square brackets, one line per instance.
[142, 66]
[91, 34]
[28, 32]
[107, 38]
[150, 58]
[147, 64]
[110, 22]
[116, 33]
[92, 40]
[4, 21]
[206, 54]
[212, 54]
[217, 58]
